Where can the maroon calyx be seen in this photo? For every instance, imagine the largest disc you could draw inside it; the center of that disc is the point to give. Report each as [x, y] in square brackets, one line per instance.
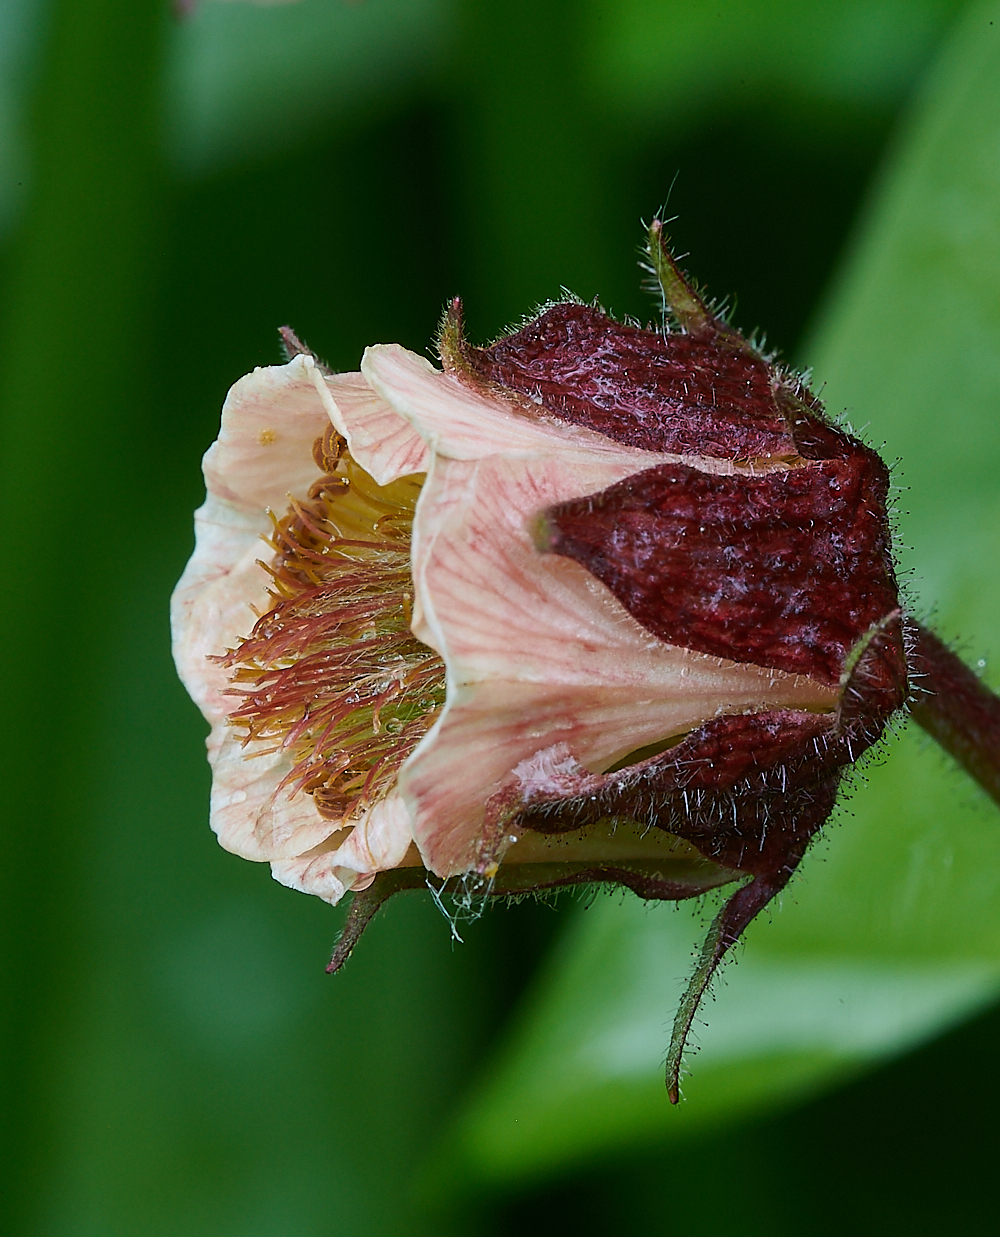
[789, 569]
[749, 792]
[786, 570]
[673, 392]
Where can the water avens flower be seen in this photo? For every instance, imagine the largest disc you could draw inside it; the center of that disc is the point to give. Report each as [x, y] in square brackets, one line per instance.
[595, 603]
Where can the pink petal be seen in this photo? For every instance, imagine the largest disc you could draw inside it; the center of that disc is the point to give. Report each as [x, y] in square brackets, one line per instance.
[264, 449]
[488, 729]
[539, 652]
[384, 444]
[315, 873]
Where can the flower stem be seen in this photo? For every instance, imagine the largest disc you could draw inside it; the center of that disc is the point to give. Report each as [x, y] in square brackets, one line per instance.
[957, 709]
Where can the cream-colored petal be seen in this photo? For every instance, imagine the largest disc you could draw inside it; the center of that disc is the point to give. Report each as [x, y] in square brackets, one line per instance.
[211, 608]
[380, 839]
[351, 859]
[264, 449]
[463, 423]
[315, 874]
[251, 814]
[264, 452]
[539, 652]
[383, 443]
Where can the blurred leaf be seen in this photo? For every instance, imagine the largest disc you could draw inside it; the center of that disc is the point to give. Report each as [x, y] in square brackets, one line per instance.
[77, 285]
[667, 57]
[22, 23]
[247, 81]
[891, 931]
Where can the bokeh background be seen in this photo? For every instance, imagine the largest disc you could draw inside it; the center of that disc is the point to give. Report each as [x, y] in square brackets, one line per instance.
[175, 1059]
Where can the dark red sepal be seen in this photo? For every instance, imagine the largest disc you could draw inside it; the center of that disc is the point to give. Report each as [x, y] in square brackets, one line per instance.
[684, 394]
[785, 570]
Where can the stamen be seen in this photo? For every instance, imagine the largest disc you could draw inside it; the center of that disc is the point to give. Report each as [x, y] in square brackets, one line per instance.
[331, 671]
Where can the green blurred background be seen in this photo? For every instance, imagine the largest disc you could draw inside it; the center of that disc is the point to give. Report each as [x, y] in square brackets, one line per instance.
[175, 1060]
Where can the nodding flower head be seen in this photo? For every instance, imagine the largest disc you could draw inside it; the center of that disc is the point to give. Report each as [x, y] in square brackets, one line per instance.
[595, 603]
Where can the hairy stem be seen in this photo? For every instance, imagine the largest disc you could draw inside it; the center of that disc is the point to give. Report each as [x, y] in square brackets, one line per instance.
[957, 709]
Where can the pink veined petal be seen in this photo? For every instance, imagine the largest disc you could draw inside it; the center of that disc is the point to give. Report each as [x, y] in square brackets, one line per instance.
[539, 652]
[463, 423]
[487, 600]
[383, 443]
[488, 729]
[351, 860]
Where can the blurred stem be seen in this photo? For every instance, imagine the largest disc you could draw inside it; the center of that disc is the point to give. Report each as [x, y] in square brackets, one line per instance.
[73, 337]
[957, 709]
[531, 154]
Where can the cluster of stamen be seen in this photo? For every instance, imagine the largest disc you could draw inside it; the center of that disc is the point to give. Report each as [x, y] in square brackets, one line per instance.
[331, 672]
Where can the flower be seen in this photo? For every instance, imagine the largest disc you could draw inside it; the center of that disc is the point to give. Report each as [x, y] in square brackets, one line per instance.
[593, 603]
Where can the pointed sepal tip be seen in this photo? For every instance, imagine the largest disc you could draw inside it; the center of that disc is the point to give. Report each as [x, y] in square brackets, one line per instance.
[680, 299]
